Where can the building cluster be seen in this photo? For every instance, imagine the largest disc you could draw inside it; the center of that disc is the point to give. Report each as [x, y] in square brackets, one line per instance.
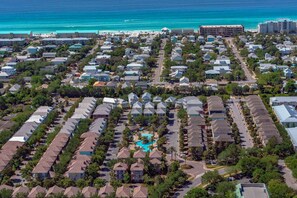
[213, 48]
[63, 41]
[82, 159]
[137, 191]
[221, 130]
[11, 147]
[221, 30]
[267, 64]
[265, 126]
[135, 61]
[220, 67]
[145, 106]
[43, 169]
[136, 170]
[285, 26]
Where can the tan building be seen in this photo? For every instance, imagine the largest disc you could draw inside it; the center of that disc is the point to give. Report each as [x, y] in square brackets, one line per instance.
[221, 30]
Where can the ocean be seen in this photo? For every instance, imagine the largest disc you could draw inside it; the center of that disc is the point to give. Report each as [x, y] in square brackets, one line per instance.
[46, 16]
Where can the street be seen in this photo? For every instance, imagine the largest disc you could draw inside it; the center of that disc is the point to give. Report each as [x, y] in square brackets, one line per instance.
[249, 77]
[160, 62]
[192, 184]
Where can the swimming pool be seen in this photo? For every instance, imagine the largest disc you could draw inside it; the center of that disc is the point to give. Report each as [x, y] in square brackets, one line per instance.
[145, 147]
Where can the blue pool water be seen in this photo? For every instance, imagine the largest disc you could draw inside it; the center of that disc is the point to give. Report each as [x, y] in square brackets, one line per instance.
[145, 147]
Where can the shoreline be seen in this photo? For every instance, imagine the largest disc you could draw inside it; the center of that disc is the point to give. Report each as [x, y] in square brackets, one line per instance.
[100, 32]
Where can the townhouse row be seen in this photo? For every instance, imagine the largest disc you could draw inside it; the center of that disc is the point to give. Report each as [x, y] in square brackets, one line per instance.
[264, 124]
[10, 148]
[138, 191]
[82, 159]
[44, 167]
[221, 130]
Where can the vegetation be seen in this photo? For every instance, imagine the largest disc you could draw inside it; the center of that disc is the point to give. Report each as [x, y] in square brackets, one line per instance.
[175, 178]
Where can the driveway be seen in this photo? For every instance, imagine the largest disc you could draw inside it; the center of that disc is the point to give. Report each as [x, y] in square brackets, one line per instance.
[238, 118]
[173, 129]
[113, 148]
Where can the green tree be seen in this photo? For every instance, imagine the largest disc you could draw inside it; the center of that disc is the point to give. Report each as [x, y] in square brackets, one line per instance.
[197, 192]
[126, 178]
[225, 188]
[212, 177]
[5, 193]
[279, 189]
[230, 155]
[290, 86]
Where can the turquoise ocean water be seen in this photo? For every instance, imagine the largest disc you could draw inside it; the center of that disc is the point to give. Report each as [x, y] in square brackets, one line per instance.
[45, 16]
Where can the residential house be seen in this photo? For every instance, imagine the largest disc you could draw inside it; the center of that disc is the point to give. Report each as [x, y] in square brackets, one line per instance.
[157, 99]
[137, 171]
[135, 66]
[206, 57]
[252, 190]
[146, 97]
[120, 169]
[124, 153]
[210, 38]
[288, 73]
[49, 54]
[106, 191]
[140, 192]
[20, 190]
[283, 100]
[170, 100]
[8, 70]
[55, 190]
[71, 191]
[132, 98]
[123, 192]
[89, 191]
[140, 154]
[287, 115]
[37, 191]
[15, 88]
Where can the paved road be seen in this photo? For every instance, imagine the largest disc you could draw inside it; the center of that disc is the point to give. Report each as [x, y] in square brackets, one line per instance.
[238, 118]
[248, 74]
[287, 174]
[160, 62]
[173, 129]
[93, 50]
[113, 148]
